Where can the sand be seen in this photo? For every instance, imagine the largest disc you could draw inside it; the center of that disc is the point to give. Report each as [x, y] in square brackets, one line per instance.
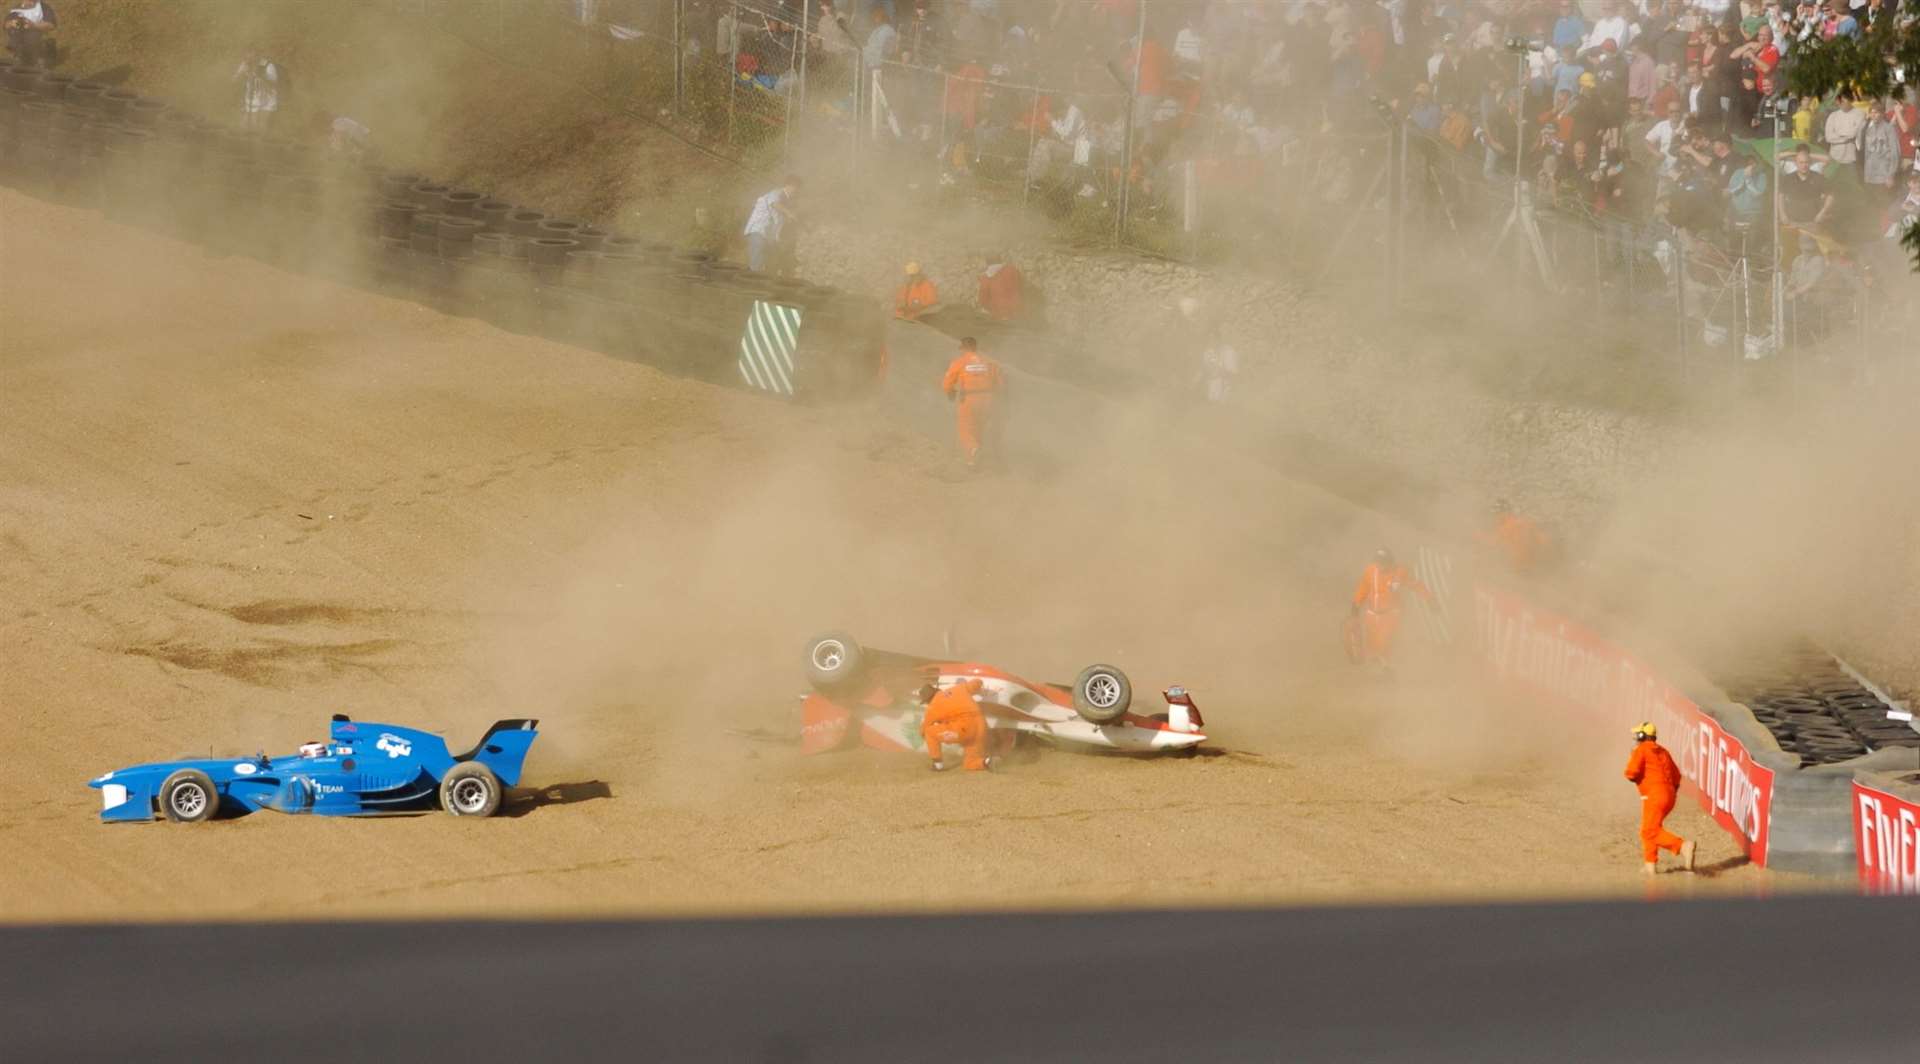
[234, 501]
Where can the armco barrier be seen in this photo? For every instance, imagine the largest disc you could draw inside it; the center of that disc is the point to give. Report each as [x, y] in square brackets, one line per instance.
[1551, 658]
[1886, 837]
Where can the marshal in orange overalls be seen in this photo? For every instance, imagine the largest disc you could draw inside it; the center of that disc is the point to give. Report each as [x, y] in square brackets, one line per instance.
[1519, 538]
[953, 717]
[1651, 769]
[916, 297]
[971, 380]
[1378, 598]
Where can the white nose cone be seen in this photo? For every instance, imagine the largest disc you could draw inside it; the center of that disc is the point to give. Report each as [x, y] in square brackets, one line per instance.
[1173, 740]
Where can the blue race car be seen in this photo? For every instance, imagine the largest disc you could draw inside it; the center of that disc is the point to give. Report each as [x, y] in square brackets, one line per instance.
[365, 769]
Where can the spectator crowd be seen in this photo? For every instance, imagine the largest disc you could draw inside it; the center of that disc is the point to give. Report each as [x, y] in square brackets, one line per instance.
[1638, 115]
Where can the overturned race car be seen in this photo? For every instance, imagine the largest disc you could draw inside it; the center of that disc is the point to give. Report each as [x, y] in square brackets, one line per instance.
[364, 770]
[874, 698]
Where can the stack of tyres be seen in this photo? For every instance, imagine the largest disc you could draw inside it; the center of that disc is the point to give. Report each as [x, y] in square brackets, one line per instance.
[424, 275]
[581, 266]
[85, 180]
[145, 113]
[493, 213]
[525, 223]
[349, 201]
[125, 172]
[552, 310]
[590, 238]
[33, 160]
[456, 236]
[1818, 713]
[193, 195]
[51, 86]
[86, 95]
[498, 286]
[71, 151]
[497, 249]
[616, 274]
[428, 195]
[424, 233]
[560, 228]
[296, 219]
[279, 201]
[12, 111]
[547, 256]
[117, 104]
[23, 79]
[461, 203]
[396, 219]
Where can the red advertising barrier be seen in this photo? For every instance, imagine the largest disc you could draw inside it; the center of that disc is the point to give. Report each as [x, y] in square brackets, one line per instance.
[1886, 836]
[1549, 657]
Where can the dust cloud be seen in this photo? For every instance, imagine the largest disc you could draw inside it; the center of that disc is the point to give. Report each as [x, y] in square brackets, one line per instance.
[473, 524]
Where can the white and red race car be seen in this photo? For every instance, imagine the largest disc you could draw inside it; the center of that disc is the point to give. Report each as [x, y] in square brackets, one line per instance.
[877, 698]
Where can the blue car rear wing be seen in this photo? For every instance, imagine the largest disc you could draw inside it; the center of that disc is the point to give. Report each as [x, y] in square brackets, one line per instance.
[504, 748]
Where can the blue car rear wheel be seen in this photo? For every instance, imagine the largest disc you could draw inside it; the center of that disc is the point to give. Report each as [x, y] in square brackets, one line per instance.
[470, 789]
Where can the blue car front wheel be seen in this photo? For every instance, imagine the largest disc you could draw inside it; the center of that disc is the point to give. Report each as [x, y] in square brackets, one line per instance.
[188, 797]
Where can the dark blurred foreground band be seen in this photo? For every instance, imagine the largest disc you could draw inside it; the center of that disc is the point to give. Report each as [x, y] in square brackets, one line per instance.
[1817, 978]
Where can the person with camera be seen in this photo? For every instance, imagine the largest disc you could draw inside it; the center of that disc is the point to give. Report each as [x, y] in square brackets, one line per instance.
[30, 29]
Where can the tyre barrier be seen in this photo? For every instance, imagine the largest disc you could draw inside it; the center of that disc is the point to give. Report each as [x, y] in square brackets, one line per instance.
[461, 203]
[494, 213]
[459, 250]
[429, 195]
[524, 223]
[1790, 806]
[1816, 710]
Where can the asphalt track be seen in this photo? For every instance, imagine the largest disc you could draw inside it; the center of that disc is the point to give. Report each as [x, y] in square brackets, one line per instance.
[1797, 979]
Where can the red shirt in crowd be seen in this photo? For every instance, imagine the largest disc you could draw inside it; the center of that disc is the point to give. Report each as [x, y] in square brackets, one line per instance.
[964, 90]
[1764, 66]
[1153, 68]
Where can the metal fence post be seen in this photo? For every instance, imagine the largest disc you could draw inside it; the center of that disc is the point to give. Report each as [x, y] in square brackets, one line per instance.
[1405, 195]
[853, 145]
[1396, 161]
[805, 29]
[1126, 147]
[1680, 298]
[946, 95]
[1862, 306]
[679, 56]
[733, 66]
[1033, 134]
[793, 89]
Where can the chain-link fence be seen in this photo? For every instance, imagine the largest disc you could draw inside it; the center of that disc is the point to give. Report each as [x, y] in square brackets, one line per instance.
[725, 72]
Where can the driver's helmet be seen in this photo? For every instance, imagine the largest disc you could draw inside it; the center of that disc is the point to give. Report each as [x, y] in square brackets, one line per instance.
[1383, 556]
[313, 749]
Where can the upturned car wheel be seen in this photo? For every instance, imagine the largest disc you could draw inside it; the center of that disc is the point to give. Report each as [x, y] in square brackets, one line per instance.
[470, 789]
[833, 660]
[188, 797]
[1102, 694]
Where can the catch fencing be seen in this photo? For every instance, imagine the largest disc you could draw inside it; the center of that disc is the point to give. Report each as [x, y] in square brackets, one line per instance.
[1351, 196]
